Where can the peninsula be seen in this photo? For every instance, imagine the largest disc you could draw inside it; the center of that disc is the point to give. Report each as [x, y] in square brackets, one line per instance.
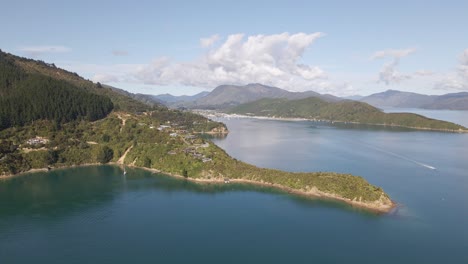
[345, 111]
[93, 124]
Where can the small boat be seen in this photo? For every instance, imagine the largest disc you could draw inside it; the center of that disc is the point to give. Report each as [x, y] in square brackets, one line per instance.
[125, 171]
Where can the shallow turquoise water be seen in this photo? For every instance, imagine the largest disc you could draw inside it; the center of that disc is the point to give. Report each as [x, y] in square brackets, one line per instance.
[96, 215]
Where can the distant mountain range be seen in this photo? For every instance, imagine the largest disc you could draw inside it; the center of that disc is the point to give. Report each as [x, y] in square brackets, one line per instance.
[353, 97]
[169, 98]
[226, 96]
[393, 98]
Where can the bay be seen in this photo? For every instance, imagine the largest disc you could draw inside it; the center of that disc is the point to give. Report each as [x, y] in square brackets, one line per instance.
[97, 215]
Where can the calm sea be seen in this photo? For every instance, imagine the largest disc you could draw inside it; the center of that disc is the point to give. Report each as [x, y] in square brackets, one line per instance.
[98, 215]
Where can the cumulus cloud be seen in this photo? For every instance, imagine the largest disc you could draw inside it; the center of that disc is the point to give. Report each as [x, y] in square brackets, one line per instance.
[392, 53]
[463, 67]
[459, 79]
[451, 82]
[424, 73]
[208, 42]
[389, 74]
[268, 59]
[119, 52]
[34, 51]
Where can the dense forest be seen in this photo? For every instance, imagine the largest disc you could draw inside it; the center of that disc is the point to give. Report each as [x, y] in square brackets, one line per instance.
[26, 97]
[343, 111]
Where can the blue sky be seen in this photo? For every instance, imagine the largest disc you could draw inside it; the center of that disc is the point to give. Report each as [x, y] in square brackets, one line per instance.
[185, 47]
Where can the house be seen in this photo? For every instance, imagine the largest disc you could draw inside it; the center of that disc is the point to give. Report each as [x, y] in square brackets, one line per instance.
[173, 134]
[37, 141]
[162, 127]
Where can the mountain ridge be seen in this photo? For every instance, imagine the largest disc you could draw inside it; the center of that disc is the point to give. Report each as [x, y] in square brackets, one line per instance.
[169, 98]
[400, 99]
[225, 96]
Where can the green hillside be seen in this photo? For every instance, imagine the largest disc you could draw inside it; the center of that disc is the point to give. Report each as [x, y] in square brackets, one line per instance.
[16, 69]
[46, 115]
[26, 97]
[108, 139]
[343, 111]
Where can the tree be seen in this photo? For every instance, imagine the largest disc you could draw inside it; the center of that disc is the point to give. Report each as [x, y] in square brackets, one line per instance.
[52, 157]
[105, 138]
[147, 162]
[105, 154]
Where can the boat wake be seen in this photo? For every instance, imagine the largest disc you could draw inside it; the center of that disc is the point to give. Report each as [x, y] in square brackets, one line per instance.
[427, 166]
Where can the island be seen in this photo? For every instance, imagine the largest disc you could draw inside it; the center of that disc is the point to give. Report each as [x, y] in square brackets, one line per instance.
[51, 118]
[346, 111]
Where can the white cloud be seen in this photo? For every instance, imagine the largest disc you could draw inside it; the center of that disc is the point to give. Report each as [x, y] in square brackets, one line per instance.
[463, 67]
[208, 42]
[268, 59]
[392, 53]
[389, 73]
[424, 73]
[459, 79]
[451, 82]
[39, 50]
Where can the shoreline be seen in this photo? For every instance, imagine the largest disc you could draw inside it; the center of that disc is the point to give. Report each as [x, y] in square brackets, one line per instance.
[296, 119]
[377, 206]
[35, 170]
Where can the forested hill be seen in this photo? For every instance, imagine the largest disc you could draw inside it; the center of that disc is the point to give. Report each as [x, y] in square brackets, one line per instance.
[343, 111]
[32, 90]
[25, 97]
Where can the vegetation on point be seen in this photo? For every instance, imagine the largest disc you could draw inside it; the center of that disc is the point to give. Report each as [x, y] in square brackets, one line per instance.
[64, 135]
[82, 142]
[342, 111]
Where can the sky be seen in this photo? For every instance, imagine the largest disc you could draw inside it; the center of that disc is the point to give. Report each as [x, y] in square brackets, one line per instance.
[185, 47]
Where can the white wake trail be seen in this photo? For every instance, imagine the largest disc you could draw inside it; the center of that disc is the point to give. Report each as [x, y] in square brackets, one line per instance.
[400, 156]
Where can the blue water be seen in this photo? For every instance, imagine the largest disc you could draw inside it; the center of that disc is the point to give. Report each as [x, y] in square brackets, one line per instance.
[96, 215]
